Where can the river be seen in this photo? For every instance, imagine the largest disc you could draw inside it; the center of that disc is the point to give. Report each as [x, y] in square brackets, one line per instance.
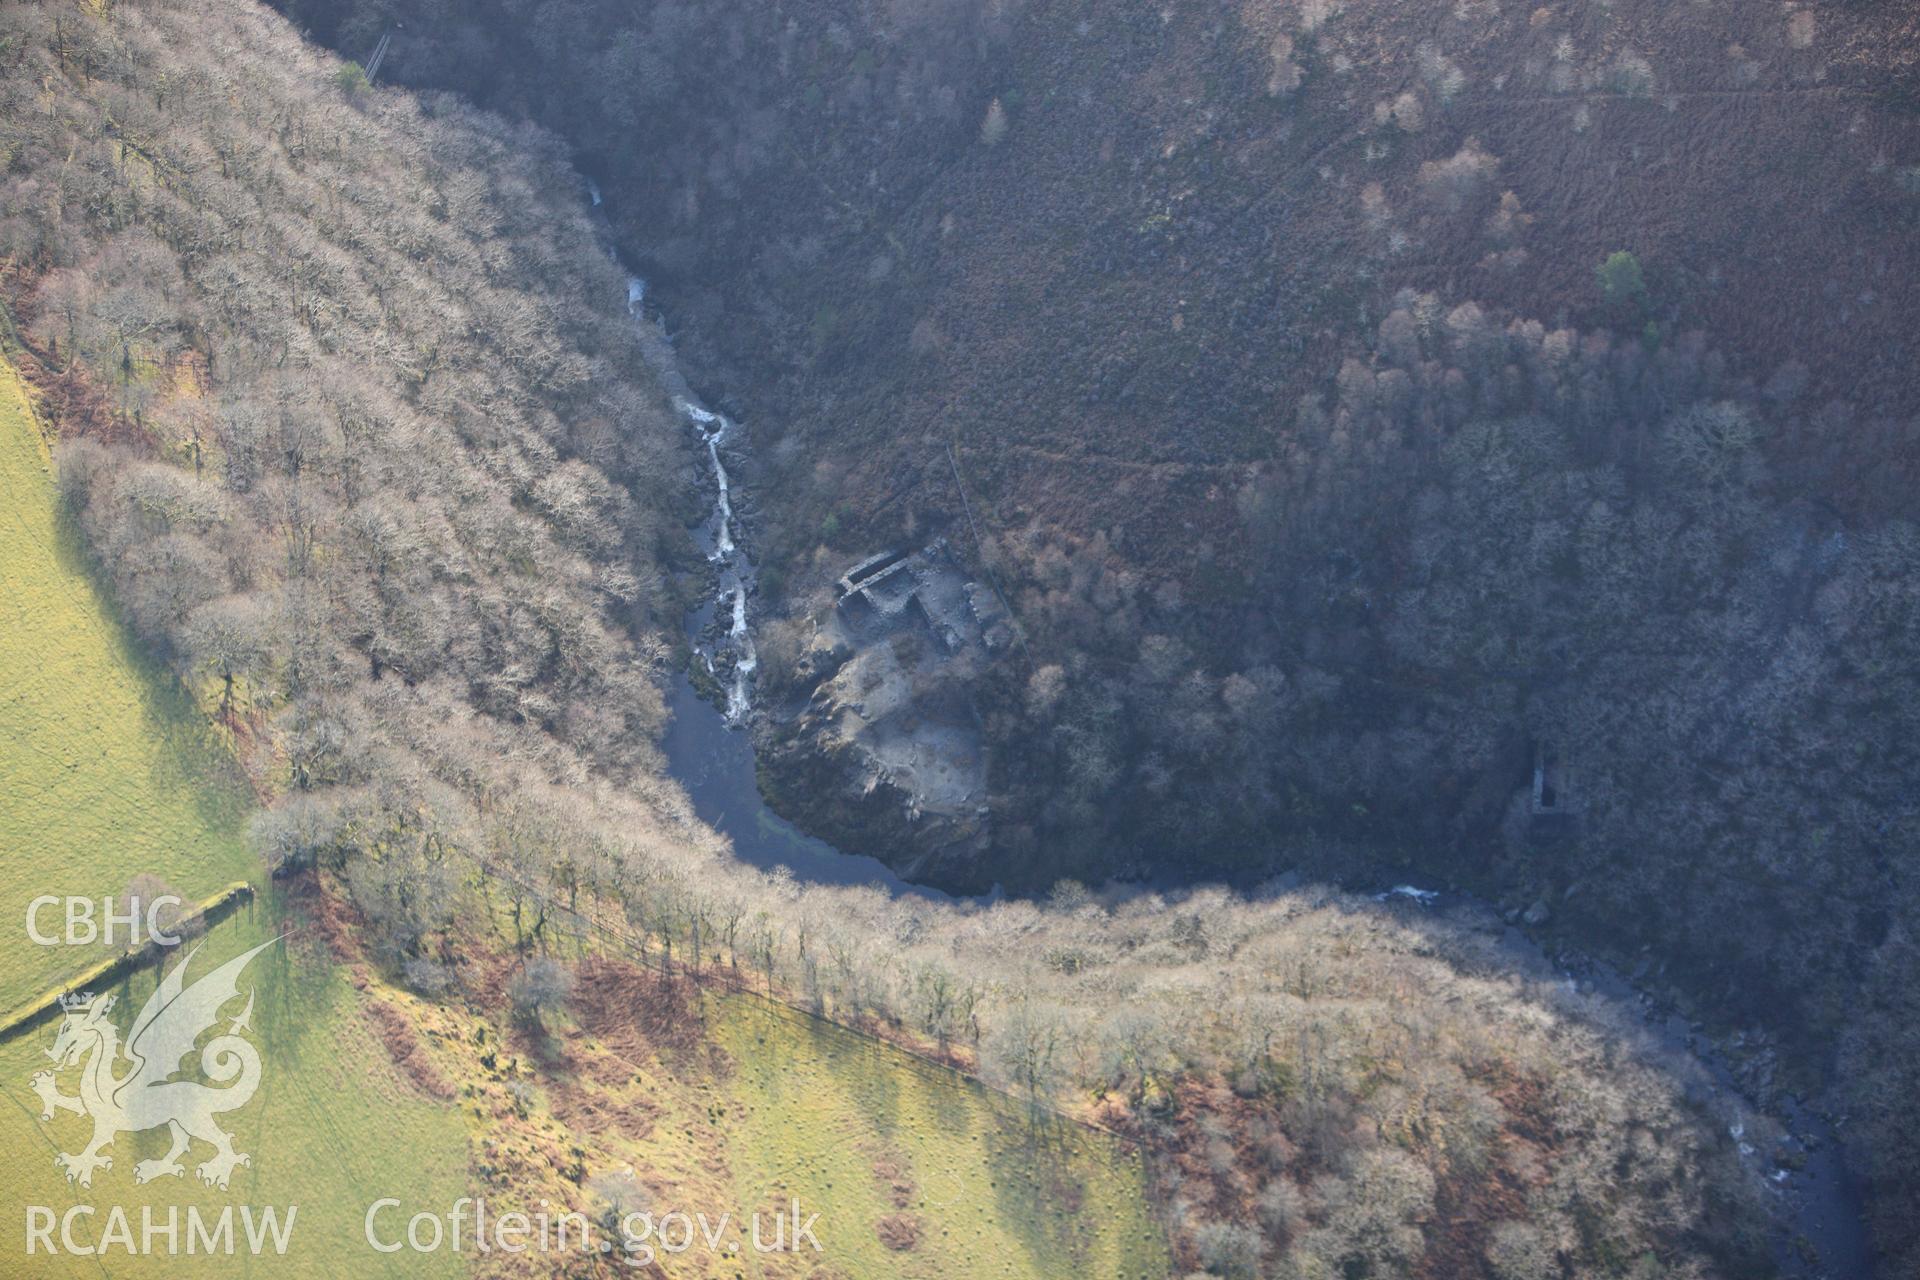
[710, 756]
[707, 752]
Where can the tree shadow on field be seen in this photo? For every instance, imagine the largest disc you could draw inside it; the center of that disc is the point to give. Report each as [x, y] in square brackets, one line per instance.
[1038, 1189]
[193, 760]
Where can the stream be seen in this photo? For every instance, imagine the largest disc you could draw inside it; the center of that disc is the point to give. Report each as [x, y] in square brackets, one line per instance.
[1818, 1200]
[730, 654]
[709, 756]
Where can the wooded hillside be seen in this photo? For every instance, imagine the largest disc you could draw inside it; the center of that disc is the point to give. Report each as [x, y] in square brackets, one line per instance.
[356, 427]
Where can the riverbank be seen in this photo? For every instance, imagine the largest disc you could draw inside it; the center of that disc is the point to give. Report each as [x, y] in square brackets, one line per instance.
[1819, 1235]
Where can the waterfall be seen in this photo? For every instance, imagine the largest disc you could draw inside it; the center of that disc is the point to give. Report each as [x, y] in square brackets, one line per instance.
[733, 570]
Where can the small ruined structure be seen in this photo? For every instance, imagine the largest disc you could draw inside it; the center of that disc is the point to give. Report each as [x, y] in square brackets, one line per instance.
[1553, 800]
[856, 579]
[996, 624]
[880, 588]
[887, 677]
[895, 588]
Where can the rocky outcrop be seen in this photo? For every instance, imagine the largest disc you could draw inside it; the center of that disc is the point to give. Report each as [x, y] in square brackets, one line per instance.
[876, 746]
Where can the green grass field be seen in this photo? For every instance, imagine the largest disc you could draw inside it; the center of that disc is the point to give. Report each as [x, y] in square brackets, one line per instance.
[107, 769]
[908, 1170]
[862, 1133]
[331, 1130]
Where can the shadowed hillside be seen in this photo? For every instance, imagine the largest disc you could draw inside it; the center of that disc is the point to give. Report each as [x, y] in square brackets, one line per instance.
[1372, 424]
[1380, 418]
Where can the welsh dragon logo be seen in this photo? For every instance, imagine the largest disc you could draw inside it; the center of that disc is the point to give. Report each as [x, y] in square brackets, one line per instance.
[145, 1096]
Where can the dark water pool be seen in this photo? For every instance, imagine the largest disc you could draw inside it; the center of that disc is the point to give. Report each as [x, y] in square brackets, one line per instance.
[714, 764]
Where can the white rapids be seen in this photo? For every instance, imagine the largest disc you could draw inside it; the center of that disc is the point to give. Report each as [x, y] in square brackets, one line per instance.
[734, 572]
